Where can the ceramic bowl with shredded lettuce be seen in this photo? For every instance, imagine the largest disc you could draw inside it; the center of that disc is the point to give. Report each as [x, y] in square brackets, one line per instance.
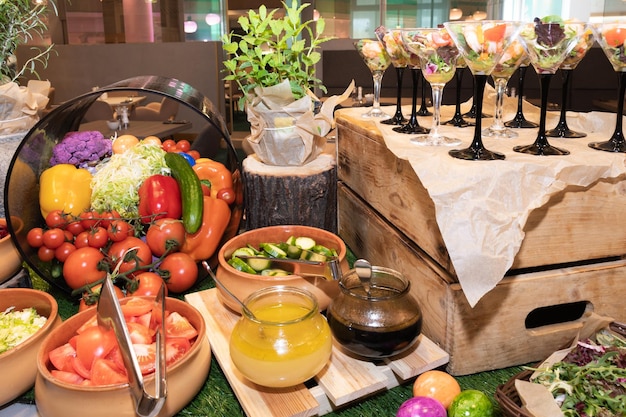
[18, 325]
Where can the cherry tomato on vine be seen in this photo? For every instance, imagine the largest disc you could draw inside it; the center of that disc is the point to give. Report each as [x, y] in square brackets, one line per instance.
[34, 237]
[82, 239]
[88, 219]
[45, 254]
[227, 194]
[183, 145]
[168, 145]
[63, 251]
[56, 218]
[98, 237]
[119, 230]
[81, 267]
[53, 238]
[132, 251]
[194, 154]
[93, 297]
[148, 284]
[75, 228]
[165, 234]
[183, 271]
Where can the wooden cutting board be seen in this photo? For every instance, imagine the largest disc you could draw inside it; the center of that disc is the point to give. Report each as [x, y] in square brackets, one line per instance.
[343, 381]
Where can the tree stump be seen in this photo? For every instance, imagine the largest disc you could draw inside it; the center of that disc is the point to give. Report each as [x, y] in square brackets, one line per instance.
[281, 195]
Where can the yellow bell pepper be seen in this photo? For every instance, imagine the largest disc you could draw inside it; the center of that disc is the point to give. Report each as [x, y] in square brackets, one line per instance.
[64, 187]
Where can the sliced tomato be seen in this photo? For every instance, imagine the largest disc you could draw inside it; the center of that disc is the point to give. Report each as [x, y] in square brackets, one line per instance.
[139, 333]
[146, 356]
[69, 377]
[61, 357]
[89, 323]
[175, 348]
[495, 34]
[104, 372]
[615, 37]
[93, 343]
[136, 307]
[115, 356]
[178, 326]
[144, 320]
[81, 369]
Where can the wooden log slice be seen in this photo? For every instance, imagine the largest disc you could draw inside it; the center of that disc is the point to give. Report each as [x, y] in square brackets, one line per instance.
[281, 195]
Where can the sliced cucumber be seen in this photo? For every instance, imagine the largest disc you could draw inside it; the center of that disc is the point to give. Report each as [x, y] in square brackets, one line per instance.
[291, 240]
[259, 264]
[323, 250]
[255, 250]
[241, 265]
[274, 272]
[243, 252]
[293, 251]
[305, 243]
[312, 256]
[273, 250]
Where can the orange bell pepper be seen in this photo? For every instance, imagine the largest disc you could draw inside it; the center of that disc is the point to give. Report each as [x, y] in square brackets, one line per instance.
[215, 218]
[215, 172]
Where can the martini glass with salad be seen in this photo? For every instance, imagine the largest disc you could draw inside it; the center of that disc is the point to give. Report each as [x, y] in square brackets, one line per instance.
[612, 39]
[438, 56]
[482, 44]
[377, 60]
[391, 39]
[548, 42]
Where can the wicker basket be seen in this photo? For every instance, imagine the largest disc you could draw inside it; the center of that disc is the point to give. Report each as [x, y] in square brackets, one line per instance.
[507, 395]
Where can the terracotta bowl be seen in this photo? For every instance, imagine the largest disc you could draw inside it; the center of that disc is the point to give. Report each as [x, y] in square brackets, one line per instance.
[243, 284]
[10, 258]
[20, 362]
[55, 398]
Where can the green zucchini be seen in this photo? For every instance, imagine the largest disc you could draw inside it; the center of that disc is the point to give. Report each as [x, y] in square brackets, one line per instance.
[241, 265]
[273, 250]
[305, 243]
[190, 191]
[260, 264]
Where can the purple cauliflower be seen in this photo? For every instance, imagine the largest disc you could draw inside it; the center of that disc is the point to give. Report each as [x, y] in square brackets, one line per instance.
[81, 148]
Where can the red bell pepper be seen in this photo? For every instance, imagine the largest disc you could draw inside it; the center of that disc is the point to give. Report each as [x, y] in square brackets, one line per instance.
[159, 197]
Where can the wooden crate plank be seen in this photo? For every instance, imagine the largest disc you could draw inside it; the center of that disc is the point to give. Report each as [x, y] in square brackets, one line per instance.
[255, 400]
[344, 380]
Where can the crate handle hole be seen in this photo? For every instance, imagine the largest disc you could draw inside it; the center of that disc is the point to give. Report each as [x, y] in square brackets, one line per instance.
[557, 314]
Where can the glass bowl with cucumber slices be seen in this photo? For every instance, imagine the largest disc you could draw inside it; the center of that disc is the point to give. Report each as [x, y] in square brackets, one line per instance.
[261, 258]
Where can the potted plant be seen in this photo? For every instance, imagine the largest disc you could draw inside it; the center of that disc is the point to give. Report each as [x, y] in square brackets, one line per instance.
[273, 63]
[20, 21]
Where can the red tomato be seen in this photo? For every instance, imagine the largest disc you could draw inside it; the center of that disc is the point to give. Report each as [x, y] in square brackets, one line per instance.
[105, 372]
[56, 218]
[194, 154]
[63, 251]
[175, 348]
[149, 284]
[165, 234]
[75, 228]
[106, 217]
[132, 252]
[69, 377]
[168, 145]
[183, 271]
[615, 37]
[495, 34]
[438, 385]
[178, 326]
[88, 219]
[34, 237]
[227, 194]
[61, 357]
[119, 230]
[80, 368]
[98, 237]
[53, 238]
[81, 267]
[183, 145]
[95, 342]
[146, 356]
[45, 254]
[139, 333]
[88, 300]
[136, 306]
[82, 239]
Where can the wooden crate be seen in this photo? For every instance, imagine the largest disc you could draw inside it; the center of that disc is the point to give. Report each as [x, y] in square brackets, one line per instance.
[341, 383]
[387, 216]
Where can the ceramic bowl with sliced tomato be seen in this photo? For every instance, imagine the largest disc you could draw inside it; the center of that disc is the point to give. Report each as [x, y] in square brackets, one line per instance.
[73, 377]
[20, 361]
[242, 284]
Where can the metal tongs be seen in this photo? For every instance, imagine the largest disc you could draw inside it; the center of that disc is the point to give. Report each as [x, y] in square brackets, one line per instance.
[329, 269]
[110, 316]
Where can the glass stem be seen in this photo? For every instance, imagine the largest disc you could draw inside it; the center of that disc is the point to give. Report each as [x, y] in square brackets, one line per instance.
[498, 123]
[618, 135]
[399, 73]
[544, 85]
[480, 80]
[520, 89]
[415, 75]
[378, 78]
[437, 90]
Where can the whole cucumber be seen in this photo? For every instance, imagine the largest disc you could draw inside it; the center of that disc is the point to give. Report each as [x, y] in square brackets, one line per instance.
[190, 191]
